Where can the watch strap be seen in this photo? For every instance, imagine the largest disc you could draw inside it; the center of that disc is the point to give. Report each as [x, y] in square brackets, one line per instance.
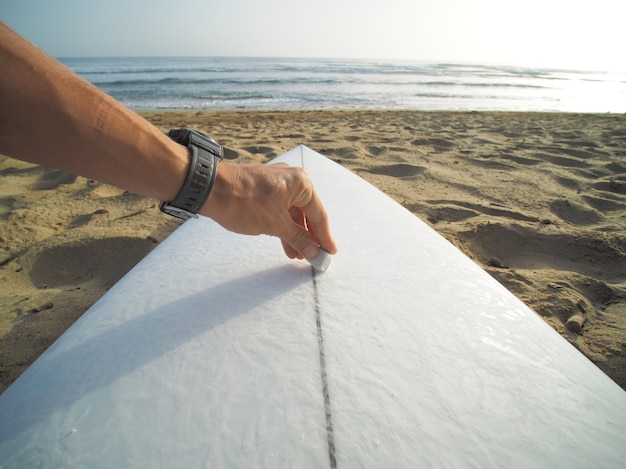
[205, 154]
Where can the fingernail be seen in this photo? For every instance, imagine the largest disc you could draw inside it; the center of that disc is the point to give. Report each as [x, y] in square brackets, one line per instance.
[310, 251]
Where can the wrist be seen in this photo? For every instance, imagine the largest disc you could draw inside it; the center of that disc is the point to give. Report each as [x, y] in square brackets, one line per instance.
[223, 192]
[203, 154]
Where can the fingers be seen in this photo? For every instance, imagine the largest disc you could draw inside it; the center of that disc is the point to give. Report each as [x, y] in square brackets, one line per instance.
[310, 217]
[317, 223]
[298, 217]
[289, 251]
[302, 242]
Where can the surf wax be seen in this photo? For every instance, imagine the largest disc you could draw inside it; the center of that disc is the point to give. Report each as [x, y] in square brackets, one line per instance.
[321, 262]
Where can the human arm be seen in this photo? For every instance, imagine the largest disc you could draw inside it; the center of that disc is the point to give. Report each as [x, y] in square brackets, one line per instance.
[51, 116]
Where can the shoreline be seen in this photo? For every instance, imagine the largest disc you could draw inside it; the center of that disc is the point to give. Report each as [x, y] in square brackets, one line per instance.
[538, 199]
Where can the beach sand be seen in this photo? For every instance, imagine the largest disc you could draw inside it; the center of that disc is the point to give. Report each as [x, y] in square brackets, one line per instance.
[538, 200]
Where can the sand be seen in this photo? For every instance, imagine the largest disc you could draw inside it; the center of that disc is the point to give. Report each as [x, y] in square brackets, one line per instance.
[538, 200]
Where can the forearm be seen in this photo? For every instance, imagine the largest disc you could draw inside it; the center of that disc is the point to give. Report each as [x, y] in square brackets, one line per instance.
[51, 116]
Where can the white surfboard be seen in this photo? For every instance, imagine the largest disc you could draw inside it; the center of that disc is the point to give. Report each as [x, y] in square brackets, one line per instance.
[218, 351]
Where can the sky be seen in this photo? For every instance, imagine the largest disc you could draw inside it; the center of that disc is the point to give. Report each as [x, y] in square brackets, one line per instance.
[575, 34]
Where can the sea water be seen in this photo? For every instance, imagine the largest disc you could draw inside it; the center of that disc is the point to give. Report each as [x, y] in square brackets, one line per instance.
[284, 84]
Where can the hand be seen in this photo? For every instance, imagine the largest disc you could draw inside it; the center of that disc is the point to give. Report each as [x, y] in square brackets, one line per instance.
[276, 200]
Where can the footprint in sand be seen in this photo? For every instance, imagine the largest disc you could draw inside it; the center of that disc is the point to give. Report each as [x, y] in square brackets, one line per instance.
[449, 213]
[522, 247]
[401, 171]
[574, 213]
[437, 143]
[53, 179]
[459, 209]
[612, 185]
[488, 162]
[562, 161]
[578, 153]
[568, 183]
[616, 167]
[105, 259]
[605, 204]
[575, 142]
[523, 161]
[258, 150]
[346, 153]
[230, 154]
[376, 151]
[267, 152]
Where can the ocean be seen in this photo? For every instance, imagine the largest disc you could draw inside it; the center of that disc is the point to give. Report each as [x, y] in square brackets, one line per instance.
[287, 84]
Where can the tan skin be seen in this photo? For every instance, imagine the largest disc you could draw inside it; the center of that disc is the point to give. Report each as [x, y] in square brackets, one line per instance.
[51, 116]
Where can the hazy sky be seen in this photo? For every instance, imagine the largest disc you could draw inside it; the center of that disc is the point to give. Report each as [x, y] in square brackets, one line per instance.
[580, 34]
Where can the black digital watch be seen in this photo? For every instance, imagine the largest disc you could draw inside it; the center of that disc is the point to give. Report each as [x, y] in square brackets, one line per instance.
[205, 154]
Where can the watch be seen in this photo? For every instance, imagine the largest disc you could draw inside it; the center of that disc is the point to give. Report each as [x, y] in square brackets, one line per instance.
[205, 154]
